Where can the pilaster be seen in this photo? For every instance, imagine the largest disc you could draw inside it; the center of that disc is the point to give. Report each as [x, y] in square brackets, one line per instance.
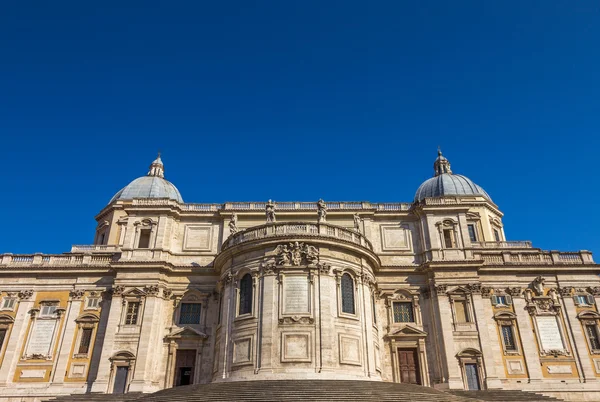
[576, 333]
[486, 341]
[67, 338]
[15, 343]
[530, 351]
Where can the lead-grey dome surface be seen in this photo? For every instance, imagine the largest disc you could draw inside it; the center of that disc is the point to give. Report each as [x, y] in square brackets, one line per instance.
[448, 184]
[149, 187]
[153, 185]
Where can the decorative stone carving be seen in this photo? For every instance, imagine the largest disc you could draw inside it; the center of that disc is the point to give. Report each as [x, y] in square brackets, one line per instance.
[566, 291]
[270, 212]
[151, 290]
[441, 289]
[233, 223]
[297, 320]
[25, 294]
[556, 352]
[296, 254]
[321, 211]
[227, 278]
[538, 285]
[325, 269]
[474, 288]
[167, 293]
[357, 220]
[268, 268]
[76, 294]
[553, 295]
[118, 290]
[595, 290]
[366, 278]
[514, 291]
[486, 291]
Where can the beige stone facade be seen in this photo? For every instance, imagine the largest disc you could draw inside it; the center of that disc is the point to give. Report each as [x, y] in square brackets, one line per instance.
[427, 292]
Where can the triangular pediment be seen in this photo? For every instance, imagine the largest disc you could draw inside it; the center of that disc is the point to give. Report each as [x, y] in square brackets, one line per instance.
[134, 292]
[408, 331]
[186, 332]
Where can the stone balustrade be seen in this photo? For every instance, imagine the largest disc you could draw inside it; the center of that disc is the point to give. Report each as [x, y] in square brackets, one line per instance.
[297, 228]
[86, 248]
[54, 259]
[534, 258]
[502, 244]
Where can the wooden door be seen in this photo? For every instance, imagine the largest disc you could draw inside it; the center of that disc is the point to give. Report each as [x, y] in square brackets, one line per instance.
[409, 366]
[120, 382]
[185, 363]
[472, 377]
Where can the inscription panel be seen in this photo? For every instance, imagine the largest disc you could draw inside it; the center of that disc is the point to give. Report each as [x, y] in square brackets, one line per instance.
[295, 295]
[549, 333]
[41, 338]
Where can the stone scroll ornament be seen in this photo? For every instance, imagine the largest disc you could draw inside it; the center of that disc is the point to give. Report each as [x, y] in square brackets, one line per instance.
[296, 253]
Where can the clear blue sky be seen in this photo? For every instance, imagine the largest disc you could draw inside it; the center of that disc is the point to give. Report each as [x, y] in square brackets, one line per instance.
[344, 100]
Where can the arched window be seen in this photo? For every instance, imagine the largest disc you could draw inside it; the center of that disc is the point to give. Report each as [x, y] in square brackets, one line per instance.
[245, 295]
[347, 294]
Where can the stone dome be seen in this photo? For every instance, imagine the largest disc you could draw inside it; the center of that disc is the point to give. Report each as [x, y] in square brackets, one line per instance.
[445, 183]
[153, 185]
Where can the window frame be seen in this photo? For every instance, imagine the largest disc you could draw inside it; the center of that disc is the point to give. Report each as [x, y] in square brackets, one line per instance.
[250, 288]
[353, 294]
[137, 313]
[410, 309]
[190, 303]
[12, 306]
[508, 319]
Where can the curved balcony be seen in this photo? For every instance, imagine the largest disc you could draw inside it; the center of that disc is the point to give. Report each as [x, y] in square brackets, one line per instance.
[281, 229]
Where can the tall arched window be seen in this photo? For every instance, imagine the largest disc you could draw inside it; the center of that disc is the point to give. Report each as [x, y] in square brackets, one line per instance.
[347, 294]
[245, 295]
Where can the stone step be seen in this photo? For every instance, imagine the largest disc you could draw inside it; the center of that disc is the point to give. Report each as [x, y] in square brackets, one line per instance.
[504, 395]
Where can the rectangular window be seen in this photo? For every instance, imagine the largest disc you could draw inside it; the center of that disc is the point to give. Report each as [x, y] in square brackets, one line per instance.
[220, 308]
[189, 313]
[448, 241]
[92, 302]
[48, 310]
[374, 312]
[592, 334]
[508, 337]
[496, 234]
[8, 303]
[131, 316]
[460, 309]
[144, 238]
[86, 340]
[2, 336]
[403, 312]
[584, 300]
[472, 233]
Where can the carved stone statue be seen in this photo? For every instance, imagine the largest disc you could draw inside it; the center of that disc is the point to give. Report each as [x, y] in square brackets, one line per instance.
[538, 285]
[296, 254]
[321, 211]
[270, 211]
[357, 222]
[233, 223]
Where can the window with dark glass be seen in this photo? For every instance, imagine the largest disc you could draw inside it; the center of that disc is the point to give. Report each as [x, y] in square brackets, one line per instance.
[496, 234]
[460, 309]
[374, 308]
[508, 337]
[2, 336]
[347, 294]
[144, 238]
[592, 333]
[472, 233]
[220, 308]
[448, 241]
[48, 310]
[86, 340]
[131, 315]
[403, 312]
[245, 295]
[190, 313]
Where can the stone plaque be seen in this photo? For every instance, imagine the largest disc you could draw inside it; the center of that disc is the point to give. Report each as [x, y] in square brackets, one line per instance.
[560, 369]
[395, 238]
[295, 294]
[549, 333]
[197, 238]
[41, 338]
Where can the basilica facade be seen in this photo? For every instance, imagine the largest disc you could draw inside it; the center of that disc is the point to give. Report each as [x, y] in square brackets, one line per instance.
[428, 292]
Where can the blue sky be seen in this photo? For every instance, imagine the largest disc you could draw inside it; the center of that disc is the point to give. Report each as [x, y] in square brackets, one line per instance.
[342, 100]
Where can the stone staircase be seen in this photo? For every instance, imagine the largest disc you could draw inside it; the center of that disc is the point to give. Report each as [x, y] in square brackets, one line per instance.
[282, 391]
[309, 390]
[504, 395]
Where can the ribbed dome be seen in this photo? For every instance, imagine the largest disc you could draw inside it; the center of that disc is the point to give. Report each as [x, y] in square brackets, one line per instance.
[152, 185]
[445, 183]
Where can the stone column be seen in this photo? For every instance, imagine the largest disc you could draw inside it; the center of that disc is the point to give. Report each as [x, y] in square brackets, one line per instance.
[530, 345]
[67, 339]
[17, 338]
[449, 360]
[142, 380]
[100, 384]
[576, 333]
[267, 343]
[486, 341]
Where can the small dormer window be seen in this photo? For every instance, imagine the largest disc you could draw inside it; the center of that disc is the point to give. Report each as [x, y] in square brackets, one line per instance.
[584, 300]
[501, 300]
[8, 303]
[92, 303]
[472, 232]
[448, 238]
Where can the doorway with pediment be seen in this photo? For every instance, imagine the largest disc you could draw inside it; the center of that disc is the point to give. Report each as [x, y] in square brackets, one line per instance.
[409, 362]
